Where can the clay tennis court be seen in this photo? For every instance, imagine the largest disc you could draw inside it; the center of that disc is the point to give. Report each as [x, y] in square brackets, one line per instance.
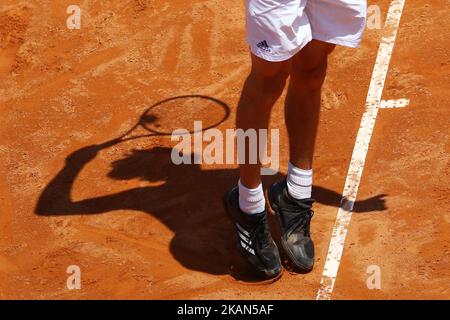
[140, 227]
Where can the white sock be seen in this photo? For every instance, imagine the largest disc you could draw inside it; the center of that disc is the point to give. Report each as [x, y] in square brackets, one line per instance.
[251, 201]
[299, 182]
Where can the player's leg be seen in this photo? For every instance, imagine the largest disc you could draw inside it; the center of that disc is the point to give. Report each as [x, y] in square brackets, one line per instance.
[261, 89]
[276, 31]
[245, 204]
[302, 107]
[332, 22]
[291, 199]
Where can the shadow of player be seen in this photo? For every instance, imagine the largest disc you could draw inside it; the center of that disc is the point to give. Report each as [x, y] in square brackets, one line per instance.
[188, 202]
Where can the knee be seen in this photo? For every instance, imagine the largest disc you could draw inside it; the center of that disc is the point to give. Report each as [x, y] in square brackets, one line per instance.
[267, 88]
[309, 77]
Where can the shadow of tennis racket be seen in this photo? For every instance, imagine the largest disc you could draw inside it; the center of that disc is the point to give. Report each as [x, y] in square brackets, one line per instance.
[181, 112]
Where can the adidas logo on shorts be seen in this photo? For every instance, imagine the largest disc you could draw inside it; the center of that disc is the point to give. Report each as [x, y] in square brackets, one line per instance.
[264, 46]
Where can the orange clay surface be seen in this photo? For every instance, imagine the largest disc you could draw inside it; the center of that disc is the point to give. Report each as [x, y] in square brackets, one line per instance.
[139, 226]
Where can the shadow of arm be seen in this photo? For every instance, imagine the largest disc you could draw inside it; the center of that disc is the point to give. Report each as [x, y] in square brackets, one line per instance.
[55, 199]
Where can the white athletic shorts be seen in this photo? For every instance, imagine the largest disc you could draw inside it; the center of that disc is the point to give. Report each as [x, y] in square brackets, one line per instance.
[278, 29]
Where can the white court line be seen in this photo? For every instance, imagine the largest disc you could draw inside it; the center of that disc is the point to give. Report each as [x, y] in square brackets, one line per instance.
[355, 170]
[390, 104]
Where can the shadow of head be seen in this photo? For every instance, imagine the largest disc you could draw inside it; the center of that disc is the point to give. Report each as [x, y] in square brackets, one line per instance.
[153, 165]
[188, 201]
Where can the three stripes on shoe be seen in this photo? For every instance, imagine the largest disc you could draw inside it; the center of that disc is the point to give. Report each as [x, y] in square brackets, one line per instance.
[244, 237]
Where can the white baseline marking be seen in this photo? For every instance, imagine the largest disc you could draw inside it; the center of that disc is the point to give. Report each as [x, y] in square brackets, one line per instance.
[355, 170]
[389, 104]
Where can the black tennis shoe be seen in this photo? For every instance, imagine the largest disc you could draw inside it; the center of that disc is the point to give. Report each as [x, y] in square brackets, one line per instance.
[294, 217]
[255, 242]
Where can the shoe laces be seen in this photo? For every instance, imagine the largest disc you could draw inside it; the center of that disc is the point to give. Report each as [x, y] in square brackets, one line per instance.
[260, 233]
[302, 222]
[299, 218]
